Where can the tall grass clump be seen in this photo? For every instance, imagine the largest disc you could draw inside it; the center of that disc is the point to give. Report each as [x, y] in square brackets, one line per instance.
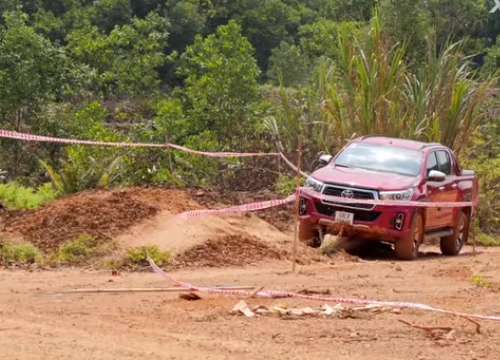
[372, 88]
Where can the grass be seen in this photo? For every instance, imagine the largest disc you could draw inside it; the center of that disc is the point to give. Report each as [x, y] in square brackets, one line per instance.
[82, 250]
[23, 254]
[15, 196]
[481, 282]
[286, 185]
[137, 256]
[487, 240]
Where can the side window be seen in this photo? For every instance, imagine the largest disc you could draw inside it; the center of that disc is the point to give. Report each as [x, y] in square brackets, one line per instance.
[444, 162]
[432, 163]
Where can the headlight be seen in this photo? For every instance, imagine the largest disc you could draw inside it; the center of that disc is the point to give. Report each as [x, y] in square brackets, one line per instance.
[404, 195]
[314, 184]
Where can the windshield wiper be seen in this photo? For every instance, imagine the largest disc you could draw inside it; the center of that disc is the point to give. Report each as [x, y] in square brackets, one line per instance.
[342, 166]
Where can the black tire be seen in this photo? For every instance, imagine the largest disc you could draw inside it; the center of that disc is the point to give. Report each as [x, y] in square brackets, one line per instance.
[453, 244]
[407, 247]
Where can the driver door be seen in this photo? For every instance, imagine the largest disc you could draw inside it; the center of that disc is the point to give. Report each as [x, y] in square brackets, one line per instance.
[440, 191]
[432, 193]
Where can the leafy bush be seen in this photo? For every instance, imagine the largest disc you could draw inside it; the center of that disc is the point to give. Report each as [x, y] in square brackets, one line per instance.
[286, 185]
[196, 169]
[81, 250]
[76, 175]
[484, 158]
[86, 167]
[16, 196]
[138, 256]
[19, 254]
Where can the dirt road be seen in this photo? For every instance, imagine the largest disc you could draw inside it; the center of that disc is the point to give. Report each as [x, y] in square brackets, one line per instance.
[35, 324]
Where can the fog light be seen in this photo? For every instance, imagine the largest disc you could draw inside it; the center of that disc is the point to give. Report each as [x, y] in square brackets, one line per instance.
[399, 221]
[303, 206]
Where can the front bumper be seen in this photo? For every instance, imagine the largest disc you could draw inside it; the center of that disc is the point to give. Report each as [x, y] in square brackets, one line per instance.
[382, 222]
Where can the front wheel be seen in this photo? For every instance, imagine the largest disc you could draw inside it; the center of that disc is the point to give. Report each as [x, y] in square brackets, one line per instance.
[453, 244]
[407, 247]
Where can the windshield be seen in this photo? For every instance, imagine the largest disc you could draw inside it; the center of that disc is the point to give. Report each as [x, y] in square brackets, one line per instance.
[381, 158]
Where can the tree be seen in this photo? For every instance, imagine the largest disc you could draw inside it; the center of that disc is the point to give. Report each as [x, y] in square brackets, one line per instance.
[266, 23]
[459, 19]
[221, 83]
[406, 21]
[187, 18]
[492, 60]
[289, 62]
[32, 73]
[320, 38]
[141, 8]
[107, 14]
[125, 62]
[343, 10]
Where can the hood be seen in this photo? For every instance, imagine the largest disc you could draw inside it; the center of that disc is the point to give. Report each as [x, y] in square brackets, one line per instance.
[365, 178]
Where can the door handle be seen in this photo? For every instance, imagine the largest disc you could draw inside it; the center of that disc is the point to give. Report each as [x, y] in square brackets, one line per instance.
[454, 186]
[441, 188]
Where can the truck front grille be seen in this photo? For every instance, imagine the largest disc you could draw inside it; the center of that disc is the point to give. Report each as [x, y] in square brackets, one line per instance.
[359, 215]
[339, 191]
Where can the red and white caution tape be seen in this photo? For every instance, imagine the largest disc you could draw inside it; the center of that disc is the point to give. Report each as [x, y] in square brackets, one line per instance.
[237, 209]
[328, 198]
[289, 163]
[285, 294]
[220, 154]
[420, 204]
[214, 154]
[29, 137]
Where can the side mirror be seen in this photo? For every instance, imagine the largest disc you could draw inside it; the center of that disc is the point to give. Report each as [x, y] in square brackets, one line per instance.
[435, 175]
[325, 159]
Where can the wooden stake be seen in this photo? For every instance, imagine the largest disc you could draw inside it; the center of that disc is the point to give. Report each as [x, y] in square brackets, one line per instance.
[169, 152]
[475, 199]
[474, 225]
[297, 204]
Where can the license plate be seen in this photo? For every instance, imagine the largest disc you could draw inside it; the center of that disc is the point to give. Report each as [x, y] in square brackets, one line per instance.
[344, 217]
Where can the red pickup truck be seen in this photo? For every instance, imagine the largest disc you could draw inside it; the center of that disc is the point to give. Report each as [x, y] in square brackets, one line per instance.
[382, 168]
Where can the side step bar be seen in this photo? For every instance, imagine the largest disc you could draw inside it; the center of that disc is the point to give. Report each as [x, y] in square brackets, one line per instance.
[438, 234]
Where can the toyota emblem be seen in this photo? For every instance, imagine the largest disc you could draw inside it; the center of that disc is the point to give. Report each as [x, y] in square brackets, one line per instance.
[347, 194]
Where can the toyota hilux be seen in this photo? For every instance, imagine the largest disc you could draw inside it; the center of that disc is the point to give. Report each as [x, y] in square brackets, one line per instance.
[394, 172]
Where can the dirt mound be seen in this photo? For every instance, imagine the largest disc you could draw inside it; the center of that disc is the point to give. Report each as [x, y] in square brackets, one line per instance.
[229, 250]
[98, 213]
[281, 217]
[143, 216]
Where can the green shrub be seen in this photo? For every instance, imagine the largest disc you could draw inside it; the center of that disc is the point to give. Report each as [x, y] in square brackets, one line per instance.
[138, 256]
[484, 158]
[19, 254]
[487, 240]
[15, 196]
[81, 250]
[285, 185]
[196, 169]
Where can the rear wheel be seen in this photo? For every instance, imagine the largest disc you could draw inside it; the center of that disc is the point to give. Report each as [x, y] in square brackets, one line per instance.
[453, 244]
[407, 247]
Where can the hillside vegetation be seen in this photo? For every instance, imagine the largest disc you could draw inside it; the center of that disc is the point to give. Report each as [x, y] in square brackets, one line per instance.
[240, 75]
